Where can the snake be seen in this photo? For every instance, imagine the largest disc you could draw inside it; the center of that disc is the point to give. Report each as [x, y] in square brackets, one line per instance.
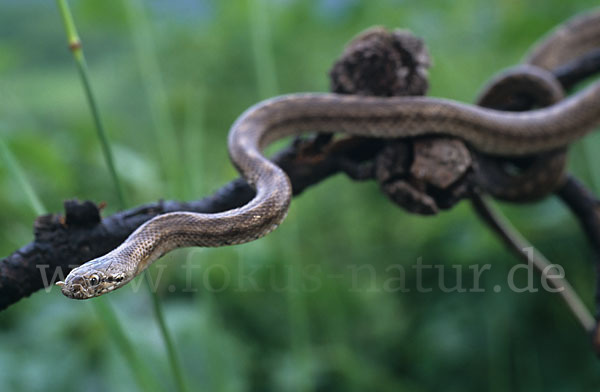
[532, 84]
[528, 178]
[489, 131]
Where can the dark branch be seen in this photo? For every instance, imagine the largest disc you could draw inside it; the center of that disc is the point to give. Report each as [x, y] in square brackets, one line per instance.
[574, 72]
[62, 242]
[586, 207]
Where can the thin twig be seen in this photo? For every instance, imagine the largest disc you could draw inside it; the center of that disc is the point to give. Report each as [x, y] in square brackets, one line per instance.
[515, 241]
[586, 207]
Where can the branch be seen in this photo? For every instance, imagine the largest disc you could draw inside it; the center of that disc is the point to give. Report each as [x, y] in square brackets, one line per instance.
[62, 242]
[519, 245]
[586, 207]
[579, 69]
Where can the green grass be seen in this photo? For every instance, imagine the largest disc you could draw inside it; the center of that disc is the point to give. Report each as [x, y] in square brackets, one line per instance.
[296, 312]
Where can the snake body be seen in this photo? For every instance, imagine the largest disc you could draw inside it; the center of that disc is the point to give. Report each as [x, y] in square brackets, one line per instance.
[489, 131]
[536, 176]
[525, 178]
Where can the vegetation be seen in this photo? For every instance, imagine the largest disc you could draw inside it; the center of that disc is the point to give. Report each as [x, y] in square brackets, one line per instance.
[316, 305]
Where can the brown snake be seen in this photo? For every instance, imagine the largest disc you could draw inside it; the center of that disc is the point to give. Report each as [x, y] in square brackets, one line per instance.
[524, 178]
[489, 131]
[534, 177]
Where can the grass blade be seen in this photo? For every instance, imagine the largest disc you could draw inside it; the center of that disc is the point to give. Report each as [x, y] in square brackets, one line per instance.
[264, 61]
[164, 130]
[166, 139]
[75, 46]
[266, 78]
[173, 358]
[15, 169]
[142, 375]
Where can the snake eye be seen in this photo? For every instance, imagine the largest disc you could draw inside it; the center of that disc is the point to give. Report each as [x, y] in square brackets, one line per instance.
[94, 280]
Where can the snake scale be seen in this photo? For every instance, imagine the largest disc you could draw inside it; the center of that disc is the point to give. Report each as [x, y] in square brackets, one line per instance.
[493, 132]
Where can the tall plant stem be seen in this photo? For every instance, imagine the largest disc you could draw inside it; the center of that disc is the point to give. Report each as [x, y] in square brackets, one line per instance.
[104, 310]
[76, 49]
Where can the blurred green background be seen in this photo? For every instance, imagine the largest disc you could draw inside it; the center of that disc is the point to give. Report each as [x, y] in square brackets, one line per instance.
[309, 307]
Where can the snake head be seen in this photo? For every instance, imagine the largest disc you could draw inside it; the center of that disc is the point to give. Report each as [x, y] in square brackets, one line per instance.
[87, 282]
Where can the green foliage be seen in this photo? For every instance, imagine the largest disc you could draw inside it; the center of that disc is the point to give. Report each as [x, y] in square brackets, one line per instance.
[311, 307]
